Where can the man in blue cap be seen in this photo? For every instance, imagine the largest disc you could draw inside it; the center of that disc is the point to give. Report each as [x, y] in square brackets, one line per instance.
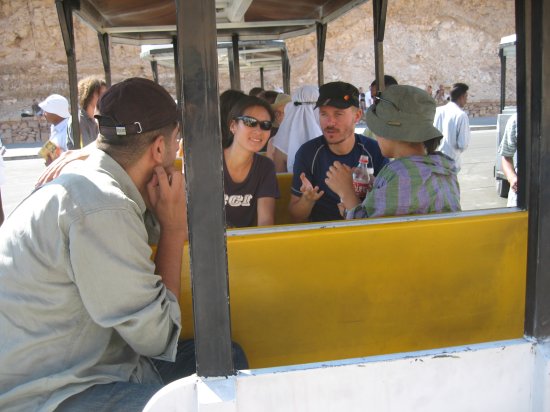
[339, 111]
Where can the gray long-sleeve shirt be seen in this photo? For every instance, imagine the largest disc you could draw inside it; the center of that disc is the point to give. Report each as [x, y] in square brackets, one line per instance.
[79, 301]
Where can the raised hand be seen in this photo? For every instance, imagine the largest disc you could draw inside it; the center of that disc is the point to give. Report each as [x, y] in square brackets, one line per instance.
[309, 193]
[166, 192]
[340, 180]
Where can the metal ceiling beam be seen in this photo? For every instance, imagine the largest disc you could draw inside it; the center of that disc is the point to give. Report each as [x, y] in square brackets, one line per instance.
[260, 59]
[259, 50]
[234, 26]
[260, 24]
[237, 9]
[278, 44]
[138, 29]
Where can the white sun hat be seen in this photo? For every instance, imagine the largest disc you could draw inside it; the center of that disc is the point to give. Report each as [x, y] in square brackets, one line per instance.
[56, 104]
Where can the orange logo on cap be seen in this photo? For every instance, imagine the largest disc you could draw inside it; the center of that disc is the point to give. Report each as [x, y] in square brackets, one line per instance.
[346, 97]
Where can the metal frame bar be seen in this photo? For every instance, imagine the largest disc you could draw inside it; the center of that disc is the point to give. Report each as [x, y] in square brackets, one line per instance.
[285, 63]
[155, 70]
[502, 79]
[197, 53]
[262, 80]
[104, 48]
[379, 10]
[534, 15]
[233, 59]
[321, 30]
[176, 65]
[65, 15]
[523, 93]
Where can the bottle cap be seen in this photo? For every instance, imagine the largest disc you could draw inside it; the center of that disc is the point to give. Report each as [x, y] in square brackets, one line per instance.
[364, 159]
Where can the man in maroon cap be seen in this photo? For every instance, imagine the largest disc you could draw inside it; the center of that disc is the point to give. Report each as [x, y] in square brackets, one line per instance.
[85, 314]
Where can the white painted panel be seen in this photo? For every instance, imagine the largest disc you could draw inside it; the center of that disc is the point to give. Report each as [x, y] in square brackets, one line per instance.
[180, 395]
[489, 379]
[541, 387]
[511, 376]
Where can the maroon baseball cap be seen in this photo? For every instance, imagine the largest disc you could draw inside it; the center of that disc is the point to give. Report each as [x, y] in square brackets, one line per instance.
[135, 106]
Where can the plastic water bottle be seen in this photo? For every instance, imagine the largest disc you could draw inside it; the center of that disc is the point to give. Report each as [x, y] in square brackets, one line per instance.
[363, 177]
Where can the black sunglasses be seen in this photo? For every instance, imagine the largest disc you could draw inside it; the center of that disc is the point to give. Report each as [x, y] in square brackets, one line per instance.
[252, 122]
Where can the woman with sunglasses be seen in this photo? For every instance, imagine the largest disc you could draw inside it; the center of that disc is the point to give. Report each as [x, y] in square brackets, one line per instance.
[250, 182]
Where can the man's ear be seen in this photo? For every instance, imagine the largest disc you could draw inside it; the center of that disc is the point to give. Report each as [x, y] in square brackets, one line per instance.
[358, 114]
[157, 149]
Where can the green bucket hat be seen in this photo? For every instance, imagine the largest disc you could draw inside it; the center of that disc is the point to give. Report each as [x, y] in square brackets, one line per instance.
[403, 113]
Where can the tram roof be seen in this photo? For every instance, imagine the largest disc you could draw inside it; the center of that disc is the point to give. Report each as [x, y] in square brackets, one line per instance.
[154, 21]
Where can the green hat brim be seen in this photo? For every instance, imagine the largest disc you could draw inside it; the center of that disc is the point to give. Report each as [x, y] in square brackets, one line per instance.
[403, 127]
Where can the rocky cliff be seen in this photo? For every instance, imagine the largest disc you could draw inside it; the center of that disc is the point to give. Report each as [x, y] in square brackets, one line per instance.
[427, 42]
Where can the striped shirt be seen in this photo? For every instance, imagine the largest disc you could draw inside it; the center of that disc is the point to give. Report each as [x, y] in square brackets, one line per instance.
[509, 143]
[412, 185]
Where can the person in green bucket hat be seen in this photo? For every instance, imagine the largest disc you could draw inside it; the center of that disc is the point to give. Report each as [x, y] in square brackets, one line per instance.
[419, 180]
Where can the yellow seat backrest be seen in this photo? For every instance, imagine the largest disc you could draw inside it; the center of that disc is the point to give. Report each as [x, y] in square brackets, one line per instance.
[325, 294]
[282, 216]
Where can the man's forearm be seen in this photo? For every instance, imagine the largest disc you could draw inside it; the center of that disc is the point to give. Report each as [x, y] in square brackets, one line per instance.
[168, 259]
[300, 209]
[508, 168]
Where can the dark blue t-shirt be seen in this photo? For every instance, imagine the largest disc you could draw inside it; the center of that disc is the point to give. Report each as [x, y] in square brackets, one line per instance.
[315, 157]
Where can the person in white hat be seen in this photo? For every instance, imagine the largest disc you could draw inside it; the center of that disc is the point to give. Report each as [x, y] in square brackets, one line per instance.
[299, 125]
[56, 112]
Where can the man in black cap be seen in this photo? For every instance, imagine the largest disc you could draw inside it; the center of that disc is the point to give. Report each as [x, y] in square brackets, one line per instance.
[83, 308]
[339, 111]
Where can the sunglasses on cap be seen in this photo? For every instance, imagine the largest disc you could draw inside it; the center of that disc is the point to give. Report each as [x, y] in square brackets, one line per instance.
[252, 122]
[378, 99]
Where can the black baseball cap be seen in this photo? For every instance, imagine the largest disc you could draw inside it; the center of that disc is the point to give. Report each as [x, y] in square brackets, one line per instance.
[338, 94]
[135, 106]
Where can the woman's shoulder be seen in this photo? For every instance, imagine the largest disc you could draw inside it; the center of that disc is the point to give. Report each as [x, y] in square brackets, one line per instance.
[263, 164]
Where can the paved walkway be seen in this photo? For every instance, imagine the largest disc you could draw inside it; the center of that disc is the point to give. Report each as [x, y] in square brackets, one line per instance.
[18, 151]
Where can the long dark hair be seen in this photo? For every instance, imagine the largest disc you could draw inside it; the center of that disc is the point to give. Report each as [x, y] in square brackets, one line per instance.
[227, 101]
[239, 108]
